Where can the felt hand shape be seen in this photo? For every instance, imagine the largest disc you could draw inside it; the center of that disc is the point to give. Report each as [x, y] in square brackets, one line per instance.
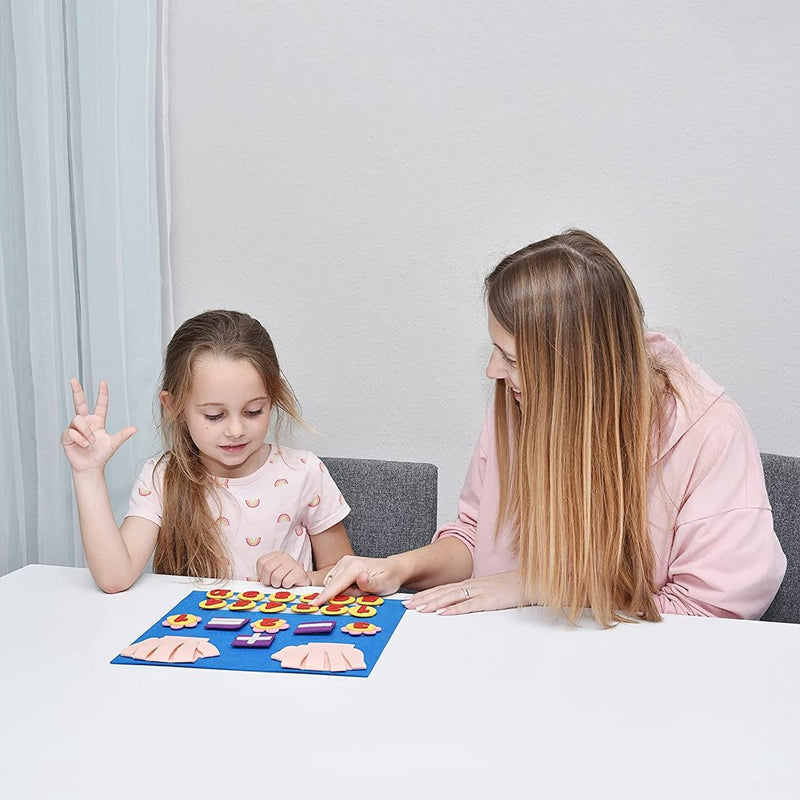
[171, 649]
[321, 657]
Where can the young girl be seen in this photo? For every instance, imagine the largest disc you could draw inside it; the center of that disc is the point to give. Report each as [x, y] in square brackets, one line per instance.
[219, 502]
[611, 472]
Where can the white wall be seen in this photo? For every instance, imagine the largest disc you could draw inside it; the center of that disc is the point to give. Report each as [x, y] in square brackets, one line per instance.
[349, 171]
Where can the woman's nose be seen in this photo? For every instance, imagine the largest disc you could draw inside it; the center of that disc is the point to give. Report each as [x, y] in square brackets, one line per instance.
[494, 369]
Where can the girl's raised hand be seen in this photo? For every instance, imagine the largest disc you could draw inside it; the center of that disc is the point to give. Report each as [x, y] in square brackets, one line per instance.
[87, 444]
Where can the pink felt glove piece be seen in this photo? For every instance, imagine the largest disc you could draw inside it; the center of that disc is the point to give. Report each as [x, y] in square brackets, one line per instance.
[171, 649]
[320, 657]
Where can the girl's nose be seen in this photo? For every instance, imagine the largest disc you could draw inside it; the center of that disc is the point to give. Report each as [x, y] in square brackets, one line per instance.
[235, 428]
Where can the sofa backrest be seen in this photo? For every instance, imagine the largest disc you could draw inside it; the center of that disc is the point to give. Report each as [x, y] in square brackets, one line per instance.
[394, 503]
[782, 475]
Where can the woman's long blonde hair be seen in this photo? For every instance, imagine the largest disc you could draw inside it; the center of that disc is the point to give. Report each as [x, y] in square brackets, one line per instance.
[576, 453]
[189, 542]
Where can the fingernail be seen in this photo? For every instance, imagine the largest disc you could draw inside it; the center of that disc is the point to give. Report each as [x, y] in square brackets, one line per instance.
[407, 603]
[420, 608]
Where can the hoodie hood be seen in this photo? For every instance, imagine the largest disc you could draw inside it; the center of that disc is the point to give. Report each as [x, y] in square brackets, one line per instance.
[695, 391]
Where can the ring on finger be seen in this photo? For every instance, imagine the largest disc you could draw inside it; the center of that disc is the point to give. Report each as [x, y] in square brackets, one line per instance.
[466, 592]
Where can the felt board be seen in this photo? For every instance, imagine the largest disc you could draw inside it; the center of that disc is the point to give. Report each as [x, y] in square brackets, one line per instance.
[387, 618]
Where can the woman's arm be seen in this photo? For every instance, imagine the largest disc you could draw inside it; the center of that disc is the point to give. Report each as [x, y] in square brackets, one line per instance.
[725, 565]
[724, 557]
[444, 561]
[488, 593]
[448, 559]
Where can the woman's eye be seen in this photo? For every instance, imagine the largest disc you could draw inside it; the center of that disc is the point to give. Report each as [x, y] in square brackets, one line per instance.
[213, 417]
[509, 361]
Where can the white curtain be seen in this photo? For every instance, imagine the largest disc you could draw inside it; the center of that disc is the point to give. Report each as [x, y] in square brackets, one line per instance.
[83, 250]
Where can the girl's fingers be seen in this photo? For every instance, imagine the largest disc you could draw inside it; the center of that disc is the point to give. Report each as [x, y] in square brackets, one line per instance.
[81, 424]
[101, 406]
[79, 398]
[279, 573]
[71, 436]
[120, 437]
[296, 577]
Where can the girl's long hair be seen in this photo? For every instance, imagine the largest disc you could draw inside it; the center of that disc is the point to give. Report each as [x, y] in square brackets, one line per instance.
[189, 542]
[575, 455]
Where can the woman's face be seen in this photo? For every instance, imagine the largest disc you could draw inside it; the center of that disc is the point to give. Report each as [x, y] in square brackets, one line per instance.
[503, 365]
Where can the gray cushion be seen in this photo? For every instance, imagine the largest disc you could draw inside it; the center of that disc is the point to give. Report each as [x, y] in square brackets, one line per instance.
[393, 503]
[394, 509]
[782, 474]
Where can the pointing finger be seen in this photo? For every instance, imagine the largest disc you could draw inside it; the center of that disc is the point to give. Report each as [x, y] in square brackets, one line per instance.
[338, 580]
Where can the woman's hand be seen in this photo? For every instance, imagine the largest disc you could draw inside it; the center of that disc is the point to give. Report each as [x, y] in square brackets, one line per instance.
[281, 571]
[369, 575]
[476, 594]
[87, 444]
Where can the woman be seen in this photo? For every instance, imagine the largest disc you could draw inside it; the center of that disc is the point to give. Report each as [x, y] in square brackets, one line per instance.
[611, 473]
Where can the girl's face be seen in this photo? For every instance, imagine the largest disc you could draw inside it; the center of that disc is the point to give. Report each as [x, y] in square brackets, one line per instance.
[502, 364]
[227, 413]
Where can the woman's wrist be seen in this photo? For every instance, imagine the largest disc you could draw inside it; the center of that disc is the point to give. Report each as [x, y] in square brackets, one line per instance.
[401, 568]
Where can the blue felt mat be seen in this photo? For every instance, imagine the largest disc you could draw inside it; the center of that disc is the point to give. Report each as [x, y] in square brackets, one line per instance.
[259, 659]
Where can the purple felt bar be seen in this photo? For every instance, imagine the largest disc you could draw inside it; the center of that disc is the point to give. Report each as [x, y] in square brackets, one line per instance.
[227, 623]
[315, 627]
[253, 640]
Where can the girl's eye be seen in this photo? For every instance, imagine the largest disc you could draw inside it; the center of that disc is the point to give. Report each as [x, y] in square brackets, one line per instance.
[213, 417]
[254, 413]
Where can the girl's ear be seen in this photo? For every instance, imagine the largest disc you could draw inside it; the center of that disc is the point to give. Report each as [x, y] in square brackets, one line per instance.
[167, 401]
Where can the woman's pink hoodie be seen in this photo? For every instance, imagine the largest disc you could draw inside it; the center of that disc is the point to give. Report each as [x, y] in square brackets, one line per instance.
[709, 515]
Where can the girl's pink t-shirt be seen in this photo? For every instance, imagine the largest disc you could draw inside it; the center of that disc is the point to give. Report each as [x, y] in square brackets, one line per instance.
[709, 515]
[290, 498]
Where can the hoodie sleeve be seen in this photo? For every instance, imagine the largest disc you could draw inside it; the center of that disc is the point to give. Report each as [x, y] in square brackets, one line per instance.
[725, 559]
[469, 503]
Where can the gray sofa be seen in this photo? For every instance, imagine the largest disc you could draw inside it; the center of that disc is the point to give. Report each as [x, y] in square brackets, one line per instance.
[782, 474]
[394, 509]
[393, 503]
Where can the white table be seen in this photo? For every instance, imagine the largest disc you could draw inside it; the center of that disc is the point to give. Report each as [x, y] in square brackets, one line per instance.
[502, 704]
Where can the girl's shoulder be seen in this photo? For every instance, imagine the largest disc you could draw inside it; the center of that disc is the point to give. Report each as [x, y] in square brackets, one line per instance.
[152, 471]
[302, 460]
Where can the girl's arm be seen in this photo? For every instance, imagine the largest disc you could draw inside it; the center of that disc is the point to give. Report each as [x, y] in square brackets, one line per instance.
[328, 548]
[446, 560]
[115, 556]
[279, 569]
